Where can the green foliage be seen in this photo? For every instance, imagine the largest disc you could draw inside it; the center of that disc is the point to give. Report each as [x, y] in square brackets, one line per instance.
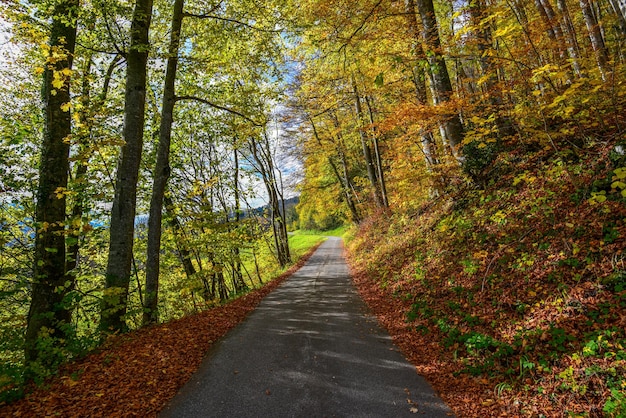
[615, 405]
[478, 157]
[419, 309]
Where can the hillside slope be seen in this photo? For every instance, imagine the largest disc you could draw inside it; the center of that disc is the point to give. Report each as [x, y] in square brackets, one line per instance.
[511, 299]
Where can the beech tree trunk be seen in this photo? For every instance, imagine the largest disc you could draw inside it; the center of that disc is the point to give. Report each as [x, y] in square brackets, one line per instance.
[619, 8]
[343, 181]
[595, 35]
[429, 147]
[379, 162]
[441, 84]
[570, 36]
[489, 70]
[183, 252]
[367, 151]
[265, 166]
[49, 315]
[84, 134]
[162, 171]
[115, 298]
[238, 282]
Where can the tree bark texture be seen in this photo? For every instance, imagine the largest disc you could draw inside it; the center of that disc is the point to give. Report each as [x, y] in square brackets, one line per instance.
[118, 271]
[419, 81]
[441, 84]
[595, 35]
[48, 314]
[162, 171]
[367, 150]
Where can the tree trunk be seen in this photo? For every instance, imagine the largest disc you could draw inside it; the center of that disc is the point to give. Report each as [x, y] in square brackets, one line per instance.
[489, 70]
[619, 8]
[367, 151]
[441, 84]
[379, 163]
[49, 316]
[238, 281]
[82, 163]
[265, 166]
[570, 36]
[84, 134]
[115, 298]
[595, 35]
[343, 181]
[183, 252]
[162, 171]
[553, 32]
[418, 77]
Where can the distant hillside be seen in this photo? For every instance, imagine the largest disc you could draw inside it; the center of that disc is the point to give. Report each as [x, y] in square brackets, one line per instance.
[290, 204]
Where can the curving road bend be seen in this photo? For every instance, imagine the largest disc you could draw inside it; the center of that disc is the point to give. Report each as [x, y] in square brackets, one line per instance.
[310, 349]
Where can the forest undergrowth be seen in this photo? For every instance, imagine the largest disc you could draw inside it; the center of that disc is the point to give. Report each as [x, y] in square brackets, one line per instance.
[511, 299]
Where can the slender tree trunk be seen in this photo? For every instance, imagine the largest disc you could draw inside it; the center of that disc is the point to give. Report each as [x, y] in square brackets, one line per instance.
[489, 69]
[367, 151]
[115, 298]
[82, 164]
[595, 35]
[570, 36]
[222, 289]
[84, 134]
[441, 84]
[343, 181]
[419, 81]
[265, 165]
[547, 21]
[379, 163]
[162, 171]
[49, 316]
[256, 266]
[184, 253]
[619, 8]
[238, 281]
[283, 211]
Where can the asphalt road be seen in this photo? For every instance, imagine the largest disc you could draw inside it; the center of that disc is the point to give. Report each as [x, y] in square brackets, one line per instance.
[310, 349]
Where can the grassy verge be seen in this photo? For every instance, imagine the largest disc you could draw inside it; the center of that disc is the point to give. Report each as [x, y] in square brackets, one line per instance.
[300, 244]
[337, 232]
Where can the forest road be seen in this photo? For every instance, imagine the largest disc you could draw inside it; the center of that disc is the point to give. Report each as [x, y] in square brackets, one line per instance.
[310, 349]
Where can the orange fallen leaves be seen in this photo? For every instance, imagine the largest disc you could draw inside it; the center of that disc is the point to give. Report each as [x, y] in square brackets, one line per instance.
[124, 380]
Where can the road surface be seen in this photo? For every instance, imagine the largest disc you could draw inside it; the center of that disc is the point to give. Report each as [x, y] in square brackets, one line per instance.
[310, 349]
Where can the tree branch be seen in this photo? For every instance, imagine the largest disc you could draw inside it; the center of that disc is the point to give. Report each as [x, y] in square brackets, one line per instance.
[216, 106]
[230, 20]
[361, 26]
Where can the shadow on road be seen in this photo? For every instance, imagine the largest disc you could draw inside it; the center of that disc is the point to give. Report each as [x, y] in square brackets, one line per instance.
[310, 349]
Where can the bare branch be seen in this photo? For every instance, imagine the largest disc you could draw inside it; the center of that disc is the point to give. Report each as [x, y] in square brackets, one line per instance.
[230, 20]
[216, 106]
